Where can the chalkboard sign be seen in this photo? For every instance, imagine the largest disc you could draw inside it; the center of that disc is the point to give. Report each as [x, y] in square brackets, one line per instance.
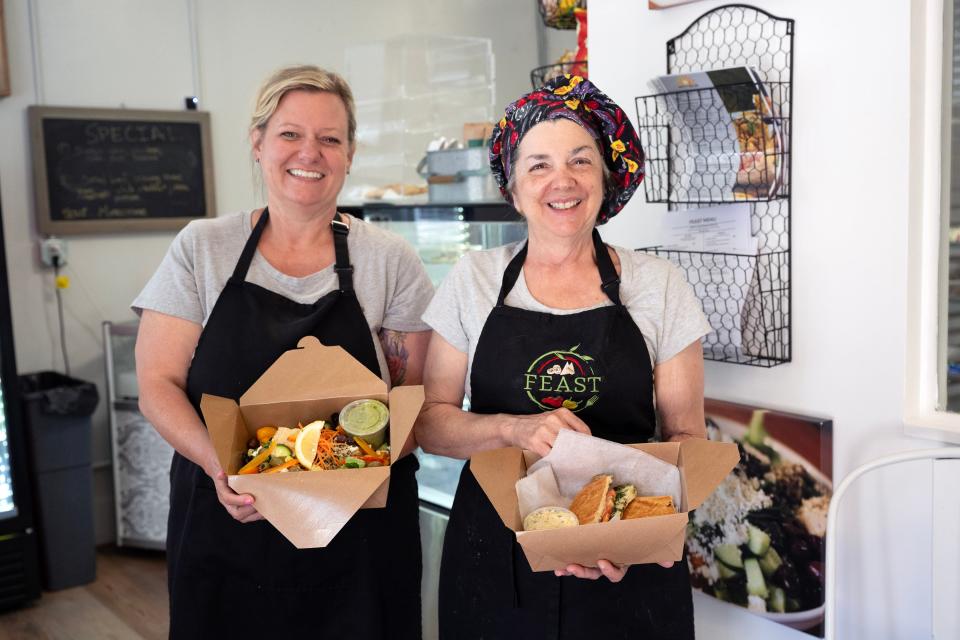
[104, 170]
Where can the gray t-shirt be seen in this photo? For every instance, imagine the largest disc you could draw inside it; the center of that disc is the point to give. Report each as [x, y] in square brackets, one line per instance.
[655, 292]
[388, 276]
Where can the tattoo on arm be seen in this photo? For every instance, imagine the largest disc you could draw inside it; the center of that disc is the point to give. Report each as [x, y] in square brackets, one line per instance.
[395, 351]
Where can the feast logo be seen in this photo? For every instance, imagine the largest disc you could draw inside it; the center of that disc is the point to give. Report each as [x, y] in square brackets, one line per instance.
[562, 379]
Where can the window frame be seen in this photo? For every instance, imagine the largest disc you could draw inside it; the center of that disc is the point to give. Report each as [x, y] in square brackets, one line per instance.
[931, 65]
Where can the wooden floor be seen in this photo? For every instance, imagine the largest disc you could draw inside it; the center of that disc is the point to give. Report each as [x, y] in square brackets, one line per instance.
[127, 601]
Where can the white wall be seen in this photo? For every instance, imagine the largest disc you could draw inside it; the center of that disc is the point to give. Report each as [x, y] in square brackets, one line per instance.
[113, 53]
[849, 253]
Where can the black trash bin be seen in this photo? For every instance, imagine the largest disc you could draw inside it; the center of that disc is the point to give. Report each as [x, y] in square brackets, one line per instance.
[57, 411]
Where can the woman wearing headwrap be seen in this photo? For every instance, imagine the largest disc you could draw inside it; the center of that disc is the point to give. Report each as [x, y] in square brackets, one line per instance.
[625, 324]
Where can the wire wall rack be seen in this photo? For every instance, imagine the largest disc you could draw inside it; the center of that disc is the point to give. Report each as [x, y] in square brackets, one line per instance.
[559, 14]
[699, 156]
[540, 75]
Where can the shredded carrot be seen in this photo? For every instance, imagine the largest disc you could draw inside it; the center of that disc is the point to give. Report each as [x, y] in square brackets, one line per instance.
[280, 467]
[325, 453]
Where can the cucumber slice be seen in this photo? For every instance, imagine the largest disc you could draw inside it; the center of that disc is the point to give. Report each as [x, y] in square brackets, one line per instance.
[770, 562]
[729, 554]
[756, 433]
[758, 540]
[726, 572]
[281, 451]
[778, 600]
[756, 585]
[354, 463]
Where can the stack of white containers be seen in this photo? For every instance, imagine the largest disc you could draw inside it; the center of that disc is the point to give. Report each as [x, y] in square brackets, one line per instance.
[410, 91]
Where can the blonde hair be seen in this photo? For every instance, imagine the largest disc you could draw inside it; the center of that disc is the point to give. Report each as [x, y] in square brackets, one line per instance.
[305, 78]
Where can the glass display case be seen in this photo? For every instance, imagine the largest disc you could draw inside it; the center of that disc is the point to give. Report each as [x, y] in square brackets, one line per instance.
[442, 234]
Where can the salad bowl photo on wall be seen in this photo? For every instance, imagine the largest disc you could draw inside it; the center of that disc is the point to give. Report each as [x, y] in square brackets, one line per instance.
[758, 541]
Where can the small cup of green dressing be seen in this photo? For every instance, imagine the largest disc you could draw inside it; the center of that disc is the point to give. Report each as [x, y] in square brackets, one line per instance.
[366, 419]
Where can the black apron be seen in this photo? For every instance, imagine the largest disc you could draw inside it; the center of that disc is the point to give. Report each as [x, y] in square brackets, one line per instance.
[230, 580]
[595, 363]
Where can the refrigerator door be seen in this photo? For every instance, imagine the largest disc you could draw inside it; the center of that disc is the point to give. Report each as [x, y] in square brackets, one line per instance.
[8, 505]
[19, 564]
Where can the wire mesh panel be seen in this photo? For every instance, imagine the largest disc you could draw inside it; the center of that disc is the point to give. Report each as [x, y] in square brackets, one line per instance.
[727, 143]
[743, 298]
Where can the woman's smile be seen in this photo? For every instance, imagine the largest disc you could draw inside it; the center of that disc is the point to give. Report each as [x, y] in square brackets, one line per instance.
[309, 175]
[562, 205]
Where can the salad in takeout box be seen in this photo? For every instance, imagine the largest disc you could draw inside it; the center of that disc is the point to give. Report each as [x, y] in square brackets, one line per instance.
[687, 472]
[305, 385]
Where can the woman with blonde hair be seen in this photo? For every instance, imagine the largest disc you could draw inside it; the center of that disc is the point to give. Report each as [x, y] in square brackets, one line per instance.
[232, 294]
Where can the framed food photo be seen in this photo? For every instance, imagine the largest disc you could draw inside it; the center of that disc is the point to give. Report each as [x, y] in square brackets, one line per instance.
[758, 541]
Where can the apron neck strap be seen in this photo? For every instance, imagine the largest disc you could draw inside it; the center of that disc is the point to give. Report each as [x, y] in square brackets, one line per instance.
[342, 266]
[511, 273]
[610, 281]
[243, 264]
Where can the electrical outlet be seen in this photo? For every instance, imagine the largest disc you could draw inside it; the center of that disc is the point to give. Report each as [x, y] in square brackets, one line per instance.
[53, 249]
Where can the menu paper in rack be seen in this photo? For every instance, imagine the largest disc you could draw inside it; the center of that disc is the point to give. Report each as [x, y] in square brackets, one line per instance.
[723, 228]
[305, 384]
[699, 464]
[729, 136]
[719, 229]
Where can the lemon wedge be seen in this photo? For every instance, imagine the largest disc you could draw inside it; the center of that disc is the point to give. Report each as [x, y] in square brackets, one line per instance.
[305, 447]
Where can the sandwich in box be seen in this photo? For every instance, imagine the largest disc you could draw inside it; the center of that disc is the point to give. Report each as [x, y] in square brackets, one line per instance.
[305, 384]
[702, 465]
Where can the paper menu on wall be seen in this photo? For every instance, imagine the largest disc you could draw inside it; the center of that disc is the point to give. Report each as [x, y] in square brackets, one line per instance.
[715, 248]
[718, 229]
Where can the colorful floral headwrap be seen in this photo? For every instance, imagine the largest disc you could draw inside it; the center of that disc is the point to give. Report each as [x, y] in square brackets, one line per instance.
[576, 99]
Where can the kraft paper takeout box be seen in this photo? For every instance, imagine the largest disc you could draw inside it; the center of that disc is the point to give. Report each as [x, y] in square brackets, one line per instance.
[703, 466]
[305, 384]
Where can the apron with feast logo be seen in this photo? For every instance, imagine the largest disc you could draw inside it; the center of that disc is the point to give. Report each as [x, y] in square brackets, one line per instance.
[229, 579]
[596, 364]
